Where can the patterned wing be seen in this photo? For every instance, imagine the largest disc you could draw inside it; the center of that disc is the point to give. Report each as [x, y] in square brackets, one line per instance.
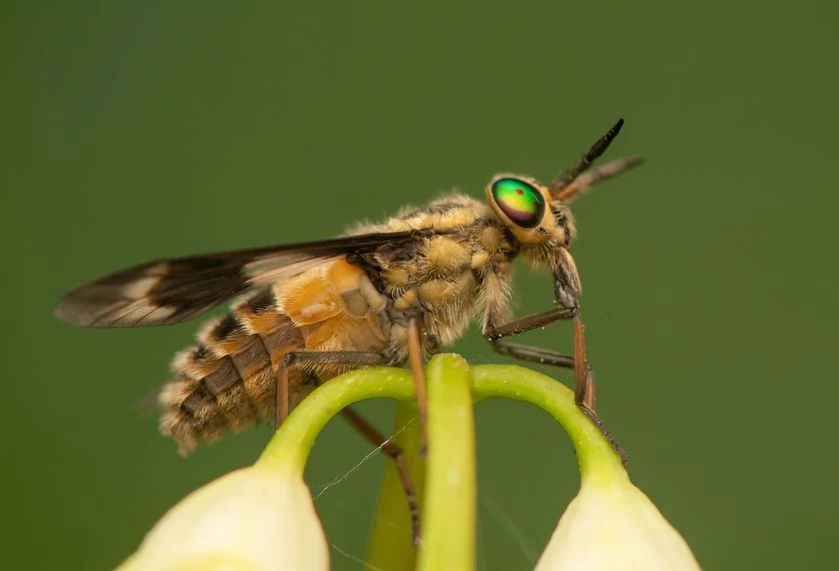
[170, 291]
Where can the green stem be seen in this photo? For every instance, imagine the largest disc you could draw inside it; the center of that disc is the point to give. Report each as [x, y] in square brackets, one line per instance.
[448, 514]
[448, 517]
[290, 446]
[598, 462]
[391, 544]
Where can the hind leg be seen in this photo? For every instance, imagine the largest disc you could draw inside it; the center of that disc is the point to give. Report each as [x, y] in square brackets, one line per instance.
[308, 360]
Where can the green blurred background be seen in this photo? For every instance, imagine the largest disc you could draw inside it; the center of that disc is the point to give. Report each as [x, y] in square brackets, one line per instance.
[153, 129]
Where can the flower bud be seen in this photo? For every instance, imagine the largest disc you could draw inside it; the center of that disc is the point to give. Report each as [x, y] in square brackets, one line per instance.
[255, 518]
[611, 524]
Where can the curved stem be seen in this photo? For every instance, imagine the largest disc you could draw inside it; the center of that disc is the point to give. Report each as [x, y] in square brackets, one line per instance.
[290, 446]
[597, 459]
[448, 514]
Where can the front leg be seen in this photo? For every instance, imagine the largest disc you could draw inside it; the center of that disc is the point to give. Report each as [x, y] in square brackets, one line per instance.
[584, 391]
[566, 291]
[494, 333]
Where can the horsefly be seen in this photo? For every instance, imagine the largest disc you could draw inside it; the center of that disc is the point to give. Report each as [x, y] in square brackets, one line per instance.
[382, 294]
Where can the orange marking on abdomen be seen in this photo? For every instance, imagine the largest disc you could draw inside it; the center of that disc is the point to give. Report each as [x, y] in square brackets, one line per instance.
[315, 296]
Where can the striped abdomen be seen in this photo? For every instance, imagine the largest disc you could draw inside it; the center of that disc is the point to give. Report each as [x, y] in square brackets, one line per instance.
[228, 380]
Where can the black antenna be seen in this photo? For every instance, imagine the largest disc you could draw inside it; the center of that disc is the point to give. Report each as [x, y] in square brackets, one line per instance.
[598, 148]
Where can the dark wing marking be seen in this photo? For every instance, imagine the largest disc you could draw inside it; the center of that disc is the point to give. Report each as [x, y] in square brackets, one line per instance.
[173, 290]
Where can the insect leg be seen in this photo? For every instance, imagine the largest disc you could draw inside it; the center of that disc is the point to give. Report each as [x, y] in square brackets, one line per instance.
[584, 387]
[393, 450]
[584, 392]
[310, 360]
[494, 333]
[415, 359]
[583, 379]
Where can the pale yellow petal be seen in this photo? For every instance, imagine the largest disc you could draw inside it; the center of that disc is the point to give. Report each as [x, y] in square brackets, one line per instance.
[615, 527]
[252, 518]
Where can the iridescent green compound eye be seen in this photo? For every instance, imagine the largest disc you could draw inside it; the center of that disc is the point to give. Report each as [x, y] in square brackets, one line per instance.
[520, 201]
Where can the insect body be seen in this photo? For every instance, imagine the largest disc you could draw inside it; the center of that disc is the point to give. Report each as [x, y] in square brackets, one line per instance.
[308, 312]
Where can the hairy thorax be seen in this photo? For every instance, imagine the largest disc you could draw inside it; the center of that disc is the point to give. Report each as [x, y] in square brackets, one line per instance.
[446, 279]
